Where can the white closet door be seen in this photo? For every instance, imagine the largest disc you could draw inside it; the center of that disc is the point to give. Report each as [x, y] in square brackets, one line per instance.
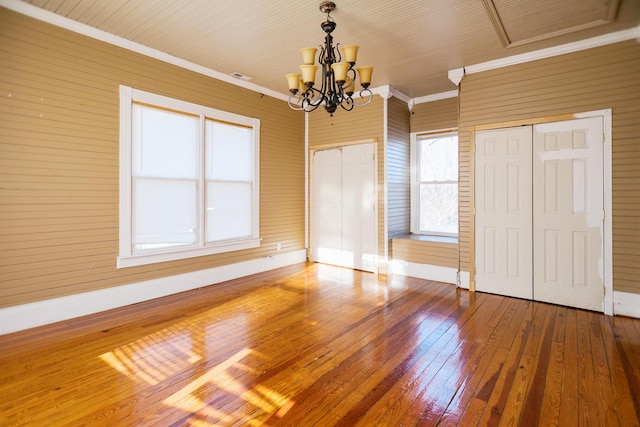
[343, 221]
[327, 207]
[503, 224]
[568, 213]
[358, 206]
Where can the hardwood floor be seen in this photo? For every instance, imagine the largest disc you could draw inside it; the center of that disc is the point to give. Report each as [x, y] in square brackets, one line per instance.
[319, 345]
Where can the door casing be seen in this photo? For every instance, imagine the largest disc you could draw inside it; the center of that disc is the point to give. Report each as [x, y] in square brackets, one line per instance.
[607, 193]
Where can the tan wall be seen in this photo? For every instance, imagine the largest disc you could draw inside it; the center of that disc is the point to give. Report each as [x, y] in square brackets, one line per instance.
[594, 79]
[59, 118]
[435, 115]
[425, 252]
[398, 168]
[360, 124]
[426, 117]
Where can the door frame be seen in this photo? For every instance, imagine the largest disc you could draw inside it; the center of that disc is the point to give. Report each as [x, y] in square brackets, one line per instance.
[607, 192]
[331, 146]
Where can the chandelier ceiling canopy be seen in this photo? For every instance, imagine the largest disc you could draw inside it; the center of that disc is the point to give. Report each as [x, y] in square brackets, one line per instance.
[338, 80]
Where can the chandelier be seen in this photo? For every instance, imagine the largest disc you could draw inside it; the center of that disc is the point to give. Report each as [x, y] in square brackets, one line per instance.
[338, 77]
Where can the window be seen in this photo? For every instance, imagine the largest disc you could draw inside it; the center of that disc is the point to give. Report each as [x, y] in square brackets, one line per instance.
[434, 186]
[188, 179]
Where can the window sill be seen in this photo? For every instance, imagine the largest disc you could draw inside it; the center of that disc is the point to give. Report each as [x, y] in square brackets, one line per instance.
[429, 238]
[152, 258]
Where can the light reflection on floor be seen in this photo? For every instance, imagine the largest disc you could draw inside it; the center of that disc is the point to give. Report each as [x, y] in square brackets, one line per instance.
[181, 350]
[182, 347]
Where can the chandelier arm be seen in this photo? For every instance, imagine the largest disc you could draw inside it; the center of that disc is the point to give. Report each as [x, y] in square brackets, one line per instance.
[294, 105]
[311, 99]
[314, 97]
[348, 104]
[364, 93]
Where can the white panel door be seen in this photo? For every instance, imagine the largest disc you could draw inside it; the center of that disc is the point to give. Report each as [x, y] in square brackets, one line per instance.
[358, 206]
[343, 219]
[327, 207]
[568, 213]
[503, 224]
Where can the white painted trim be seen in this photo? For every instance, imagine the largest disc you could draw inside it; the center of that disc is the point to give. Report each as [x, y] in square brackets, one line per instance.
[382, 261]
[435, 97]
[306, 182]
[424, 271]
[626, 304]
[25, 316]
[593, 42]
[94, 33]
[464, 279]
[77, 27]
[383, 91]
[456, 75]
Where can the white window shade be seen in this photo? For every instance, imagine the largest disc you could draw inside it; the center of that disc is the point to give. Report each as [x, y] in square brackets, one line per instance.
[229, 151]
[229, 175]
[165, 143]
[189, 180]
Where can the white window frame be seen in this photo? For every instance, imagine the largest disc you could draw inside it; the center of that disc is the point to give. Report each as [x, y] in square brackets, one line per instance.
[414, 155]
[126, 256]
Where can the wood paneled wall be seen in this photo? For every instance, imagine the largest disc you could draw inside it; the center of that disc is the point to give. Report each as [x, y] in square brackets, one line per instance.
[425, 252]
[398, 169]
[593, 79]
[435, 115]
[59, 171]
[345, 127]
[427, 117]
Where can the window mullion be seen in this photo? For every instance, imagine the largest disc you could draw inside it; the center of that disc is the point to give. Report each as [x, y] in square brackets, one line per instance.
[202, 183]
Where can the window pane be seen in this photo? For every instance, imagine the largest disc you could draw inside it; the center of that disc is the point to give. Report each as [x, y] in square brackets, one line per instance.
[439, 208]
[164, 213]
[439, 159]
[229, 152]
[229, 210]
[165, 144]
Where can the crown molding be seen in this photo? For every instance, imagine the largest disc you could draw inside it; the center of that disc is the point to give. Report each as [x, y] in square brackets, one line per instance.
[606, 39]
[434, 97]
[458, 73]
[388, 91]
[86, 30]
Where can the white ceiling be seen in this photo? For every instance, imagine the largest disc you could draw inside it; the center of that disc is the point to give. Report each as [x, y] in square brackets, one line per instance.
[411, 43]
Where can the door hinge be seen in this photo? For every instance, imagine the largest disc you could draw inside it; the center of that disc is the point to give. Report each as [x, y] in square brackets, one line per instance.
[603, 215]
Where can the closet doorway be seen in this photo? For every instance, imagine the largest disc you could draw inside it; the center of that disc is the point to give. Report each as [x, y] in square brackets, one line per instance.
[539, 212]
[343, 206]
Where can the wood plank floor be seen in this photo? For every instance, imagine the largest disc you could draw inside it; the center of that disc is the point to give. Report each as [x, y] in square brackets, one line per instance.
[318, 345]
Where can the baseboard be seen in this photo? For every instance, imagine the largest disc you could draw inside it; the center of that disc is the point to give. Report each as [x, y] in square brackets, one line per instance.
[626, 304]
[423, 271]
[26, 316]
[464, 279]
